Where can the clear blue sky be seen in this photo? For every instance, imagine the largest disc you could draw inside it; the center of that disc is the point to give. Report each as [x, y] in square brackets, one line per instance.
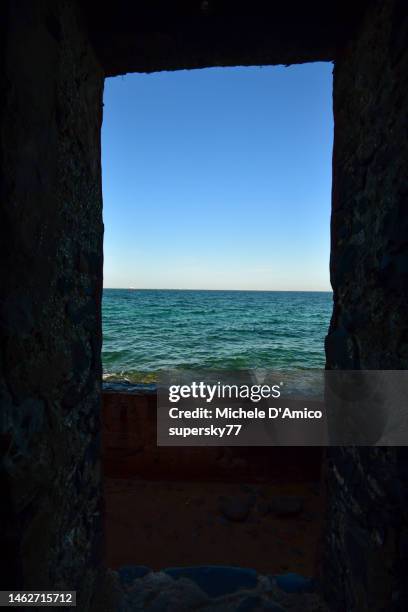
[218, 178]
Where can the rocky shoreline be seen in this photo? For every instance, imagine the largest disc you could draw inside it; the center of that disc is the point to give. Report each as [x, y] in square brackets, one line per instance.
[213, 589]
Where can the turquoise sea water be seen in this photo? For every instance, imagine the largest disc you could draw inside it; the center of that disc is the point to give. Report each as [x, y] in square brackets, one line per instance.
[146, 331]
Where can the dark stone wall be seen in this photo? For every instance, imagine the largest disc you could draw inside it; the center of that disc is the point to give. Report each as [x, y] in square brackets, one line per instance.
[147, 36]
[51, 273]
[367, 536]
[51, 261]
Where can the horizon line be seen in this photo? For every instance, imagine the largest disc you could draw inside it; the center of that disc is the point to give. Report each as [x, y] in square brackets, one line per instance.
[203, 289]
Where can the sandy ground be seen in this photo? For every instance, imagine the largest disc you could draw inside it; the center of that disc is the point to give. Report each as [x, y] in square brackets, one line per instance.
[163, 524]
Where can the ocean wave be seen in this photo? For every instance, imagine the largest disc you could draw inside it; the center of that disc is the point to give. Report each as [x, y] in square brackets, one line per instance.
[146, 332]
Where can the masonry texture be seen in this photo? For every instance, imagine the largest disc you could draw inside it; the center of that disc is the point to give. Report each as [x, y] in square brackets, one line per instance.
[54, 55]
[51, 265]
[367, 534]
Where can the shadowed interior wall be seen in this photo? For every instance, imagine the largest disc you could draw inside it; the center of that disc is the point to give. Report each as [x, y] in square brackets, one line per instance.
[51, 261]
[51, 266]
[367, 536]
[148, 36]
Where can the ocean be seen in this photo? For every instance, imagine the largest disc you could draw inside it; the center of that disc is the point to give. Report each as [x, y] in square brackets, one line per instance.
[147, 331]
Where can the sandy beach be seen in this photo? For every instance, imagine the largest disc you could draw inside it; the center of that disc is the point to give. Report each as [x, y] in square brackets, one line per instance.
[253, 507]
